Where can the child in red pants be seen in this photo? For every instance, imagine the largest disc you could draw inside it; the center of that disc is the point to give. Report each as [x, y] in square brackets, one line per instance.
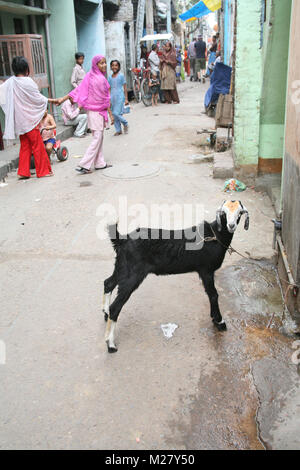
[32, 144]
[24, 107]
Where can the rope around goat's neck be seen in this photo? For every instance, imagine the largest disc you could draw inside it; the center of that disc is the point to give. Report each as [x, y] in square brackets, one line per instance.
[230, 248]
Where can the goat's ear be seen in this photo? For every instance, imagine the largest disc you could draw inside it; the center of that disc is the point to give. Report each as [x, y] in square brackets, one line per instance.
[218, 216]
[247, 220]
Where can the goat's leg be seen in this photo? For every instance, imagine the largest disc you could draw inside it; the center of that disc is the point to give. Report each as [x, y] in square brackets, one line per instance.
[209, 285]
[124, 292]
[109, 285]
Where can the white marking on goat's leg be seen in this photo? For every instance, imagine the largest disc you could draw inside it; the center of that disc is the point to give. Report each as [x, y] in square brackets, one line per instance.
[110, 335]
[106, 302]
[221, 326]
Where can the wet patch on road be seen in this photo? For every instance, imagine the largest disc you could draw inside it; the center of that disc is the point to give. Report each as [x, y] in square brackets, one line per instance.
[225, 413]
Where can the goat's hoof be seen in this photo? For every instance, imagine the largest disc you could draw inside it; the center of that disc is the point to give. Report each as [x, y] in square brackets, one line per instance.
[110, 349]
[105, 315]
[220, 326]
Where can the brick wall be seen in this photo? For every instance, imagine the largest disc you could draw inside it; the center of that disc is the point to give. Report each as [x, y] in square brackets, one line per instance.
[125, 12]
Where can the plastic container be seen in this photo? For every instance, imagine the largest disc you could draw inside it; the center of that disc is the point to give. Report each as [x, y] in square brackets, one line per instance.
[126, 109]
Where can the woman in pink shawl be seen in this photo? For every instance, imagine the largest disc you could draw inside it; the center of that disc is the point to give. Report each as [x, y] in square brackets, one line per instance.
[93, 95]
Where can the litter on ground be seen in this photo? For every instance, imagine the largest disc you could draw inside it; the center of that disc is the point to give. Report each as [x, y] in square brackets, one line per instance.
[234, 185]
[169, 329]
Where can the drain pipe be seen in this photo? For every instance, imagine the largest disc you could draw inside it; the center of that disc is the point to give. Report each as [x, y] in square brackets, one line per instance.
[50, 61]
[286, 265]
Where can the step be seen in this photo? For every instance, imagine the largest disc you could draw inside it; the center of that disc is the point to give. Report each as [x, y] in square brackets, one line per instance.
[271, 184]
[223, 167]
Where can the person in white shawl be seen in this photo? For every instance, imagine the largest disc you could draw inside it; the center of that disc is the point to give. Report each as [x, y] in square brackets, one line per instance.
[24, 107]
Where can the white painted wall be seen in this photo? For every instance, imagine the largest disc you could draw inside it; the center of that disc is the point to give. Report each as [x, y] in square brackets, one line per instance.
[115, 46]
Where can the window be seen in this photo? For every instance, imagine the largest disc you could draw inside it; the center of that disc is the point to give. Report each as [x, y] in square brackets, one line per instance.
[19, 26]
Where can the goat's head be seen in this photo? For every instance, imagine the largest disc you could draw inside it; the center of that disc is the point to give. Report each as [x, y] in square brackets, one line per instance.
[229, 215]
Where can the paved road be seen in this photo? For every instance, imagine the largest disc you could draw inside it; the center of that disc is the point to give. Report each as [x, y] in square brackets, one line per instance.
[59, 388]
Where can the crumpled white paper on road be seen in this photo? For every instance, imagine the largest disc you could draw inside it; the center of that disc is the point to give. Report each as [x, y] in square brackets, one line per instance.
[169, 329]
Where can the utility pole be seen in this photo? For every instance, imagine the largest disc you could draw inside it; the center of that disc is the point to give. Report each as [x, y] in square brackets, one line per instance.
[139, 28]
[169, 23]
[149, 17]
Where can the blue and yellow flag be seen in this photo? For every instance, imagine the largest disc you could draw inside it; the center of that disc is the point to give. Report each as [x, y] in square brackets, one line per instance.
[203, 8]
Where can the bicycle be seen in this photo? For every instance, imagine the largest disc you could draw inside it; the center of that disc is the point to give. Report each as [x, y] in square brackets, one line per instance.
[145, 89]
[136, 83]
[141, 89]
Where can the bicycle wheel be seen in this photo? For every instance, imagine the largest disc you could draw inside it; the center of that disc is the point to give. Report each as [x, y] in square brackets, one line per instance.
[146, 93]
[136, 91]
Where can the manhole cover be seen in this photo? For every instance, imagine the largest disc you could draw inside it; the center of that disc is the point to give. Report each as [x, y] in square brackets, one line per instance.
[131, 170]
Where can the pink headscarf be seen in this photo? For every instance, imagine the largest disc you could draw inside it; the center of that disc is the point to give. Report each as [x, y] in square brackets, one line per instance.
[93, 91]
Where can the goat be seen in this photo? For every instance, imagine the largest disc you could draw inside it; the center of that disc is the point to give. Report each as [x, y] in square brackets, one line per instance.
[137, 257]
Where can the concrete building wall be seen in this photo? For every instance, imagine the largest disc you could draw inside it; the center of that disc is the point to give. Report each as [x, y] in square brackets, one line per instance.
[119, 37]
[273, 99]
[229, 16]
[63, 41]
[247, 86]
[291, 172]
[114, 32]
[90, 30]
[7, 21]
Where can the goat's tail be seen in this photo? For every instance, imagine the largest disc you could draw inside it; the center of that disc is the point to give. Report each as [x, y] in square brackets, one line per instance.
[114, 235]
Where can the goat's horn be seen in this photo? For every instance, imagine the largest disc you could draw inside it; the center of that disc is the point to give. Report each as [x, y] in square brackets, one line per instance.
[218, 215]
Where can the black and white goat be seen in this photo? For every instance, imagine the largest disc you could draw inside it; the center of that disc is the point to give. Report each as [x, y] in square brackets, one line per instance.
[164, 255]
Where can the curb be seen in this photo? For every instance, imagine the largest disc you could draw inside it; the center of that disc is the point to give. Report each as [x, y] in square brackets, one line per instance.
[6, 166]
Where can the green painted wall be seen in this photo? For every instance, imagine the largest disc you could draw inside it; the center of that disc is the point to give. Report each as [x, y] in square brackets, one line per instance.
[7, 23]
[275, 62]
[248, 83]
[64, 43]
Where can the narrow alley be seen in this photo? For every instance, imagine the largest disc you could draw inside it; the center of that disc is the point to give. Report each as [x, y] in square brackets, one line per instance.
[200, 389]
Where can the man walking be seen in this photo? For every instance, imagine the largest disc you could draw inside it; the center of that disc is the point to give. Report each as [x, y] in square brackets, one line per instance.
[192, 57]
[200, 47]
